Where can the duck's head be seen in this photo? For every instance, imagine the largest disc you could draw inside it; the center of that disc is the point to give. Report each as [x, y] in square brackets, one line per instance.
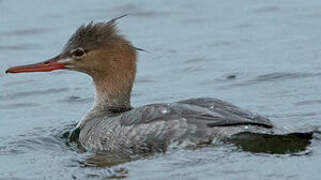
[101, 52]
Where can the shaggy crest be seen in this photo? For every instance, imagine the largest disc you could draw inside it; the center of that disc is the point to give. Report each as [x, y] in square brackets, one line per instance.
[94, 36]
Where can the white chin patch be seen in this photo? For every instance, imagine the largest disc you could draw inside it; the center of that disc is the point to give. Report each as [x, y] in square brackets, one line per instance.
[66, 60]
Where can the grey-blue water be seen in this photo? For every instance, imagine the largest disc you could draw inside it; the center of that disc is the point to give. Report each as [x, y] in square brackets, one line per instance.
[260, 55]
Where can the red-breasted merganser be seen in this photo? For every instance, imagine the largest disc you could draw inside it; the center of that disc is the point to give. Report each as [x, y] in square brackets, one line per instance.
[113, 125]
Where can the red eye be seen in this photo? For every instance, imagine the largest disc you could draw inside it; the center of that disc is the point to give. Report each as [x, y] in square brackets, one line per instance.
[78, 52]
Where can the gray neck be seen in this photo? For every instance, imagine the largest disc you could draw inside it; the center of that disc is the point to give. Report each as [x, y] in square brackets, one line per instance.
[111, 91]
[105, 100]
[107, 103]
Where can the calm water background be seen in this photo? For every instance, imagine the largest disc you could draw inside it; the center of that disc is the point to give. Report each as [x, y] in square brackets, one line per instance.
[261, 55]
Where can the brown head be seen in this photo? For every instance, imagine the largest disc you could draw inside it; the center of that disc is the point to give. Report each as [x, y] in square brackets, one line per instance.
[101, 52]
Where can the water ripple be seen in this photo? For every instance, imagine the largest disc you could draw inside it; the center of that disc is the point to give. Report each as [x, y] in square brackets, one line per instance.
[18, 105]
[15, 83]
[308, 102]
[38, 139]
[19, 95]
[76, 99]
[135, 10]
[276, 76]
[267, 9]
[26, 32]
[23, 46]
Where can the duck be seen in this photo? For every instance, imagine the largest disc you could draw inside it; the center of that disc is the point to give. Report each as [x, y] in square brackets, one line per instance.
[114, 125]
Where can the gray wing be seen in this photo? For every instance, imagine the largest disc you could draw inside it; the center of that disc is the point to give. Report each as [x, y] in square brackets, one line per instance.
[202, 111]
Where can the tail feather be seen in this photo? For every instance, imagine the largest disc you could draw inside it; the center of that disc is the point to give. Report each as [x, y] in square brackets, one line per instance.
[272, 143]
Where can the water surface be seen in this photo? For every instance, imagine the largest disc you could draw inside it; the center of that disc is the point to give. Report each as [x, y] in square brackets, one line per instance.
[260, 55]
